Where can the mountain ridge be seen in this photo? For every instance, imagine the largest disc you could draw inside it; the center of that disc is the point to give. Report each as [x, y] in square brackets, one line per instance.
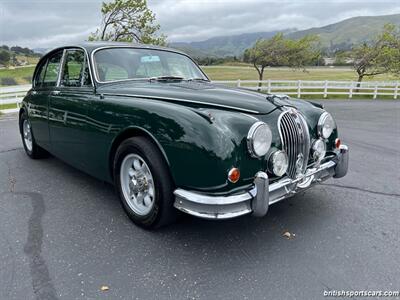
[336, 36]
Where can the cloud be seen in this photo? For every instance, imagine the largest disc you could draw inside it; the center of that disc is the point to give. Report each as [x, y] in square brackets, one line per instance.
[46, 23]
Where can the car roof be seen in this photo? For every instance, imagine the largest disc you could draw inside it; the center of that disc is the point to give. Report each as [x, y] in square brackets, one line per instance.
[92, 46]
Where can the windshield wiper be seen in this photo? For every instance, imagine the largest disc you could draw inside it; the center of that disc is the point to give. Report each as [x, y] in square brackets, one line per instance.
[165, 78]
[197, 79]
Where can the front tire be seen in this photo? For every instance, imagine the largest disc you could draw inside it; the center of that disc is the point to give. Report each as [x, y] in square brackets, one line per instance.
[28, 140]
[143, 183]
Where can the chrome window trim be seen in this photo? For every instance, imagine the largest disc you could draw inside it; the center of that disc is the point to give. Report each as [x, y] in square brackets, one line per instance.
[61, 69]
[134, 47]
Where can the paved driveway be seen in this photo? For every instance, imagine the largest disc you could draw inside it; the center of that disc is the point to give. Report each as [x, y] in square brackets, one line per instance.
[63, 234]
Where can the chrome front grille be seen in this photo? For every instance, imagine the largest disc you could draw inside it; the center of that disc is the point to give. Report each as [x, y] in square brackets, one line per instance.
[295, 138]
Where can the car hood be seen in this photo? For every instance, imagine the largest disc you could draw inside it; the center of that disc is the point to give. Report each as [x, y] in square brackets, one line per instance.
[194, 93]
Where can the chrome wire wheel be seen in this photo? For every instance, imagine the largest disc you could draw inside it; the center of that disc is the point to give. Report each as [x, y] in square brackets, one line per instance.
[27, 134]
[137, 184]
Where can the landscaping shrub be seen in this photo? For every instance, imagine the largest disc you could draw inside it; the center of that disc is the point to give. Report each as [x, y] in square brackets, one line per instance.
[7, 81]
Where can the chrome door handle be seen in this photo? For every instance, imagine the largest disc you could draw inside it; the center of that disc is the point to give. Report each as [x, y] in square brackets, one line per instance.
[55, 93]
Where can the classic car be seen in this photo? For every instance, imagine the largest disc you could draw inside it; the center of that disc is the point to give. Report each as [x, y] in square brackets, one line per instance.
[148, 120]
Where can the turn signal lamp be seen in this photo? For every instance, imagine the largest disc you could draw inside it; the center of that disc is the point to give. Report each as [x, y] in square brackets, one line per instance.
[234, 175]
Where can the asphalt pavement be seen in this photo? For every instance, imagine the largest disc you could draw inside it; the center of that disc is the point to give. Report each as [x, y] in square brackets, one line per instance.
[63, 234]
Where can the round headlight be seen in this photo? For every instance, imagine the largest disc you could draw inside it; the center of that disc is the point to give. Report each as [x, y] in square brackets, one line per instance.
[326, 124]
[259, 139]
[278, 163]
[318, 150]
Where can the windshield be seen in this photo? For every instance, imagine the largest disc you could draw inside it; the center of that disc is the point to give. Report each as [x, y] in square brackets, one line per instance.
[113, 64]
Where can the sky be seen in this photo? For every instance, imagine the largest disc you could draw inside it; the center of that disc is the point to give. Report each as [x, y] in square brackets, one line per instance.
[49, 23]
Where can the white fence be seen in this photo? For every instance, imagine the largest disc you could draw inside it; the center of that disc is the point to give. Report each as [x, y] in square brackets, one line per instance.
[324, 88]
[297, 88]
[13, 94]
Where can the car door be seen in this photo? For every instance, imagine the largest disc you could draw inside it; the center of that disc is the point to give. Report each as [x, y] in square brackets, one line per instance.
[68, 108]
[43, 84]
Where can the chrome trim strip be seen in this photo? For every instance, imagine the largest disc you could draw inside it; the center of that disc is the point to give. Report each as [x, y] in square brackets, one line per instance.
[182, 100]
[218, 216]
[61, 69]
[214, 200]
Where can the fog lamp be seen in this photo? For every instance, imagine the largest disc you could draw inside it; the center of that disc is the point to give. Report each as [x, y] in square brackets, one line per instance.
[278, 163]
[318, 150]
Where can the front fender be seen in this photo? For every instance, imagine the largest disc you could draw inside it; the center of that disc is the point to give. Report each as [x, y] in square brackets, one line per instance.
[207, 148]
[200, 149]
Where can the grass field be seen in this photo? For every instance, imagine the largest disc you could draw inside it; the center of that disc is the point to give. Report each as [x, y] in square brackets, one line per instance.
[8, 106]
[321, 73]
[21, 75]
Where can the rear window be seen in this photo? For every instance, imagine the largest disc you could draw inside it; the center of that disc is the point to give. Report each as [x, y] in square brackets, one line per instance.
[48, 72]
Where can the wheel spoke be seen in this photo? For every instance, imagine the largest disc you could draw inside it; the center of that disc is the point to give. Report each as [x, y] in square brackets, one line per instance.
[139, 198]
[137, 165]
[151, 191]
[147, 200]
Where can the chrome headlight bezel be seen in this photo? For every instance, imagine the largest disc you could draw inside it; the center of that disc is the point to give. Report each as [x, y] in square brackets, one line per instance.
[326, 125]
[259, 130]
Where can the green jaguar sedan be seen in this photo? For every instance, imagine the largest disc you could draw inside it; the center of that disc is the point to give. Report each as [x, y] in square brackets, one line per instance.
[148, 120]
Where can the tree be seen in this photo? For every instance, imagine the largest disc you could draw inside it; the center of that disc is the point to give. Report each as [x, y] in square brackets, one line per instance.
[379, 56]
[279, 51]
[4, 57]
[128, 21]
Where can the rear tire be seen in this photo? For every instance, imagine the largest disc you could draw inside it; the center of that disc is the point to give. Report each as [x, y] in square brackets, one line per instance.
[144, 183]
[28, 140]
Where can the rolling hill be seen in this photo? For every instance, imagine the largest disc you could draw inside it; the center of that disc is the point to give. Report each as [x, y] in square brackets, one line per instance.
[222, 46]
[341, 35]
[344, 34]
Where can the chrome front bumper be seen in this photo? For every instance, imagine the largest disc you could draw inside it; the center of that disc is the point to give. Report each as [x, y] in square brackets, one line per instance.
[262, 194]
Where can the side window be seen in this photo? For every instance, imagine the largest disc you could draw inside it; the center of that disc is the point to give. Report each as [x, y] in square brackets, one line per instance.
[75, 71]
[40, 74]
[52, 69]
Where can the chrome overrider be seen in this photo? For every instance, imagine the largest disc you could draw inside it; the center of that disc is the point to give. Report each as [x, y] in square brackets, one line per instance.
[262, 194]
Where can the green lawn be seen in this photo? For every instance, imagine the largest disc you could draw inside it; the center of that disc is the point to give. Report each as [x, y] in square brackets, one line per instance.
[8, 106]
[21, 75]
[322, 73]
